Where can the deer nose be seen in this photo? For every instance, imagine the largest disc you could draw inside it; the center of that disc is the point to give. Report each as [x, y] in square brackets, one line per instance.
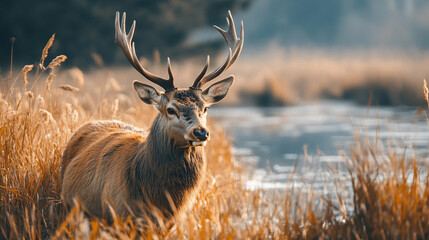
[201, 134]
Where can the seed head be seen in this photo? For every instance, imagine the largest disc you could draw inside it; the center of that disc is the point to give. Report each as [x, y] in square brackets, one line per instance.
[46, 116]
[45, 51]
[69, 88]
[25, 70]
[57, 61]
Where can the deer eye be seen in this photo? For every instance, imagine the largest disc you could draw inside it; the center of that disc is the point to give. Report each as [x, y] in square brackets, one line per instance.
[171, 111]
[205, 109]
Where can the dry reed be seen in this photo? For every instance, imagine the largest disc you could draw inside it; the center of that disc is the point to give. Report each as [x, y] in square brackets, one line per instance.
[68, 88]
[390, 191]
[24, 71]
[45, 51]
[57, 61]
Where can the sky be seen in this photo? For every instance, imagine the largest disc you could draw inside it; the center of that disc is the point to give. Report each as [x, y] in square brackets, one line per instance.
[340, 24]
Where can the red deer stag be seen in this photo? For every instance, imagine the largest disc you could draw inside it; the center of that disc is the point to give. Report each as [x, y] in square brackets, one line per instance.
[110, 163]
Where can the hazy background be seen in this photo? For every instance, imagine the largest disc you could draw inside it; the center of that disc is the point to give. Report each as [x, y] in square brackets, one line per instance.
[295, 51]
[84, 27]
[340, 24]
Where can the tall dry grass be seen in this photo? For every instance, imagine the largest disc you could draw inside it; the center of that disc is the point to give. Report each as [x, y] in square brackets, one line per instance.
[298, 75]
[291, 76]
[279, 76]
[390, 191]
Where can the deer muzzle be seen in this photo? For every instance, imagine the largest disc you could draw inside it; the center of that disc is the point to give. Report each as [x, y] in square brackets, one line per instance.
[199, 136]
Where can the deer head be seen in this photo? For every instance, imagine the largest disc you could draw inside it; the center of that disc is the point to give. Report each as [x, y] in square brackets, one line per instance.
[184, 111]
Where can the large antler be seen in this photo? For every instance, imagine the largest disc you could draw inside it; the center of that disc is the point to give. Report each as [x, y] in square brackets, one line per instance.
[124, 40]
[234, 44]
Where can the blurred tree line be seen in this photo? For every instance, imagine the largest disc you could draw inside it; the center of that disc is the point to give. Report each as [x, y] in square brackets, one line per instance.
[85, 27]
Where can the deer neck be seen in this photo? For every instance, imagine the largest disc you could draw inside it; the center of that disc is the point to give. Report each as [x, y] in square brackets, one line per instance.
[162, 166]
[163, 149]
[164, 158]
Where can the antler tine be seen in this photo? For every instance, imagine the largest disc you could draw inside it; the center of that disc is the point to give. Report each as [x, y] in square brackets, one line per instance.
[234, 44]
[124, 41]
[170, 72]
[201, 75]
[240, 45]
[216, 72]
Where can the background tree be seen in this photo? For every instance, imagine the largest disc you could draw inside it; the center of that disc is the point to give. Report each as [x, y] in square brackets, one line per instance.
[84, 27]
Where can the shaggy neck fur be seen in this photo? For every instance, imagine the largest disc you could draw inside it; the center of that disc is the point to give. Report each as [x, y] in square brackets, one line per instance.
[173, 174]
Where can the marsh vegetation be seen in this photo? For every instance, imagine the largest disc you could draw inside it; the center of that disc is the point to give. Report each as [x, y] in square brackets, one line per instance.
[384, 194]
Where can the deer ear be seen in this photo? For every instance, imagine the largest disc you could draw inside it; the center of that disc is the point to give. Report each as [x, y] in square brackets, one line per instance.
[147, 93]
[217, 91]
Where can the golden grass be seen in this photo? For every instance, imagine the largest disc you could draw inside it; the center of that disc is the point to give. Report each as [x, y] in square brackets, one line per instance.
[309, 75]
[292, 76]
[46, 50]
[390, 191]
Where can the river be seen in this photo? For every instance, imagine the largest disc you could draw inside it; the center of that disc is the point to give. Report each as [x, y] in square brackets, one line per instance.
[272, 140]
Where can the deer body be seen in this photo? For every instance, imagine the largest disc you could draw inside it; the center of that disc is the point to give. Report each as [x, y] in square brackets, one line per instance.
[109, 162]
[151, 174]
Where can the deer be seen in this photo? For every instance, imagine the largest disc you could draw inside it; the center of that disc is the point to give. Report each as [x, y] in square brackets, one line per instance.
[156, 173]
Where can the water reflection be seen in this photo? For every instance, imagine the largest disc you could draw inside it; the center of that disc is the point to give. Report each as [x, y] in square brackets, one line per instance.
[274, 139]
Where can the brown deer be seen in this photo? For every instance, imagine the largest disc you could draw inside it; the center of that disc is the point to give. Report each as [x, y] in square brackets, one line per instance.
[110, 163]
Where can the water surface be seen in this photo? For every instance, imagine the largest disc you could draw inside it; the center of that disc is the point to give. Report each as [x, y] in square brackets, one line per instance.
[274, 140]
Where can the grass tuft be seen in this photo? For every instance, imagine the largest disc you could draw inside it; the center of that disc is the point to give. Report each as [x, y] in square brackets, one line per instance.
[385, 194]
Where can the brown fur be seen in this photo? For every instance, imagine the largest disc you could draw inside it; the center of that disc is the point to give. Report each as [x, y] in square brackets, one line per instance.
[110, 162]
[151, 175]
